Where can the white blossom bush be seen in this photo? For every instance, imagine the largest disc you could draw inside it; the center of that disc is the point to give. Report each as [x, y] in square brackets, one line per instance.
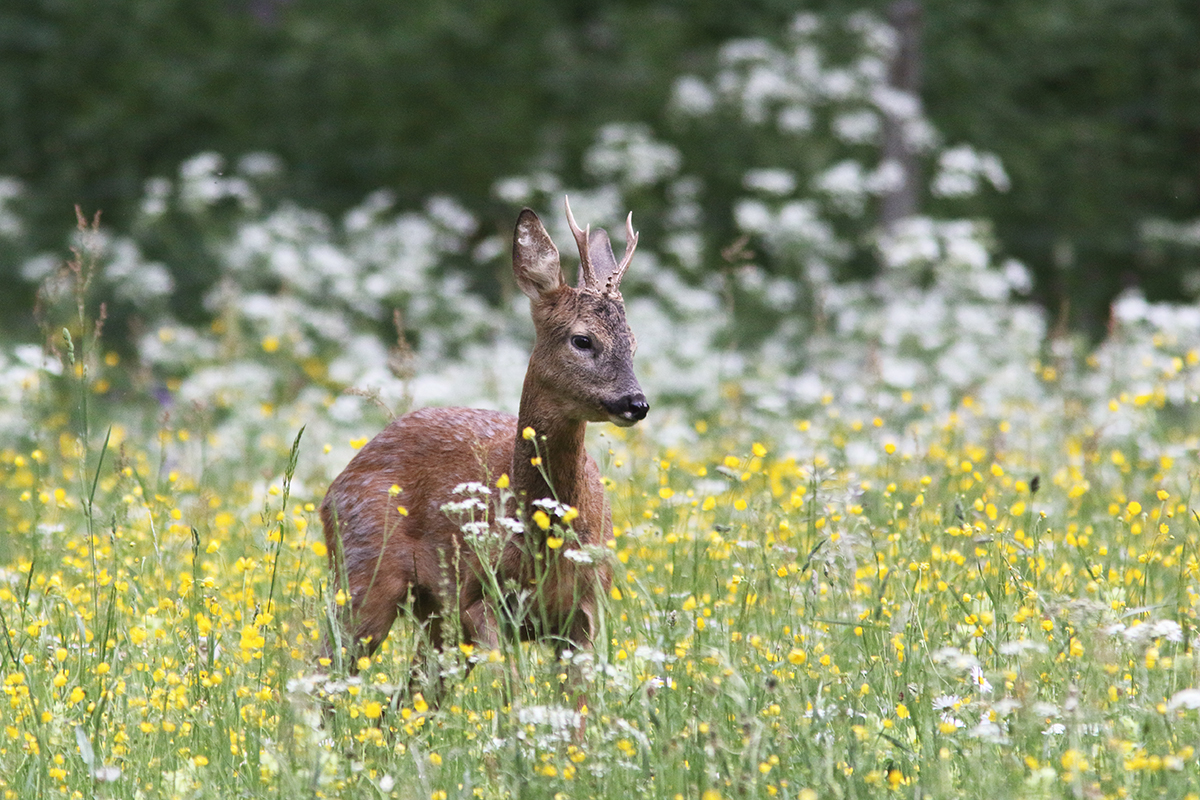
[305, 311]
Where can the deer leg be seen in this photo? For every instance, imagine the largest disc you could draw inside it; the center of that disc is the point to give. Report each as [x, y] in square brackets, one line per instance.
[578, 641]
[367, 637]
[371, 620]
[425, 675]
[481, 628]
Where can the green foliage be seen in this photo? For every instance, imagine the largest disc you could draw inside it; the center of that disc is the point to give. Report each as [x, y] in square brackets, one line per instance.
[425, 98]
[1091, 107]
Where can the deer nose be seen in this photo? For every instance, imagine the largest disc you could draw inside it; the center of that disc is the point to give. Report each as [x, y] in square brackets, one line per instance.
[638, 407]
[631, 407]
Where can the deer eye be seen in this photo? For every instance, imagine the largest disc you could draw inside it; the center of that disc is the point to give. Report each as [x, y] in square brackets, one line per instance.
[582, 342]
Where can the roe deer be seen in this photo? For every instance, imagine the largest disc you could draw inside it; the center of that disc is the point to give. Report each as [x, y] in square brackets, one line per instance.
[581, 371]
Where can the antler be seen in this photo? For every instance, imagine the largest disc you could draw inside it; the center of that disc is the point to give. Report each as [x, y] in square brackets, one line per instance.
[631, 240]
[590, 273]
[587, 276]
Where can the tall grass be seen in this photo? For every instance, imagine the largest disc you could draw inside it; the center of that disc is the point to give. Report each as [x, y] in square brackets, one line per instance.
[924, 604]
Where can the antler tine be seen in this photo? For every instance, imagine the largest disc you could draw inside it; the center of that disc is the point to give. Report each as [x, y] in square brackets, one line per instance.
[631, 240]
[587, 276]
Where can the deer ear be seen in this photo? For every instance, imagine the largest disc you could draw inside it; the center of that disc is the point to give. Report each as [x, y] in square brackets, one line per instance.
[535, 258]
[604, 263]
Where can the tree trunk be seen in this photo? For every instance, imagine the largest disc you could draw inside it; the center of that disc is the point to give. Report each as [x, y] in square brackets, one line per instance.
[904, 75]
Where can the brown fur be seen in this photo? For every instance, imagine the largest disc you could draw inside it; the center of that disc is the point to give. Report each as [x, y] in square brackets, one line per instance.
[421, 561]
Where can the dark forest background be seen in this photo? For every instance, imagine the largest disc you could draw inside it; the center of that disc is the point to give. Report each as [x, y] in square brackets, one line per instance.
[1092, 105]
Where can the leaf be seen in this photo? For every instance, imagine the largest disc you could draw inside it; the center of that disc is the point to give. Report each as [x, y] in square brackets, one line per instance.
[85, 748]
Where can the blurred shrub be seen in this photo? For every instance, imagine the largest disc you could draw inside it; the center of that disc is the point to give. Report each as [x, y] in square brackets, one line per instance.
[320, 319]
[1092, 111]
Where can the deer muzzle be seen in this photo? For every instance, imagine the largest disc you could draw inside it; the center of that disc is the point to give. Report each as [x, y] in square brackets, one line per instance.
[628, 410]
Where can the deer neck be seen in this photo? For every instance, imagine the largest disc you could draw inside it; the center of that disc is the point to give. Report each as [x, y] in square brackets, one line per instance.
[558, 443]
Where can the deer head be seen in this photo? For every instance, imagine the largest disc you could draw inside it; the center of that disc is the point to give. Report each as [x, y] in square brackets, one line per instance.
[583, 357]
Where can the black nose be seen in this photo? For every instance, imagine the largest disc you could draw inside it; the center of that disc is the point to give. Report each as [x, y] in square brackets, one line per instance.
[632, 407]
[638, 407]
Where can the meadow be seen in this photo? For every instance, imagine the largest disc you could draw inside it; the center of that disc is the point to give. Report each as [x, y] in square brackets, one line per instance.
[896, 534]
[917, 602]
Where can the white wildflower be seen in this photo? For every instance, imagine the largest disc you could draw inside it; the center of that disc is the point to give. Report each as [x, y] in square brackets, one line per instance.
[471, 504]
[692, 97]
[857, 127]
[476, 530]
[563, 722]
[979, 680]
[106, 773]
[581, 555]
[945, 702]
[630, 154]
[988, 731]
[955, 658]
[779, 182]
[1184, 698]
[512, 525]
[652, 654]
[1154, 629]
[551, 506]
[1020, 647]
[471, 487]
